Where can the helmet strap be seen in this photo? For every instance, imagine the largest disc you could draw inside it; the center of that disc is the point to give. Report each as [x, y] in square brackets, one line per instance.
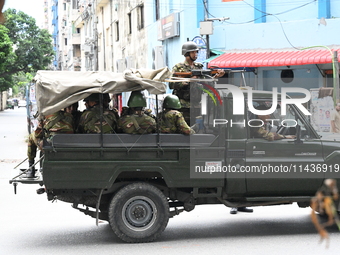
[189, 59]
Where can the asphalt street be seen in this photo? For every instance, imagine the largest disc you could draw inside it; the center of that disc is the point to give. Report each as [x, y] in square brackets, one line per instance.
[29, 224]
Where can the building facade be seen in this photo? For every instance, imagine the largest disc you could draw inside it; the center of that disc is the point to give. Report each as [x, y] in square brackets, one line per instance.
[114, 35]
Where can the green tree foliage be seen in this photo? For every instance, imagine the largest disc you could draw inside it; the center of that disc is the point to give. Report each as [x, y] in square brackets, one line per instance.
[32, 47]
[5, 47]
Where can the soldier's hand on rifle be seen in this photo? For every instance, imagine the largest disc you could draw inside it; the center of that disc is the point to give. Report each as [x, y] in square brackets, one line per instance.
[220, 73]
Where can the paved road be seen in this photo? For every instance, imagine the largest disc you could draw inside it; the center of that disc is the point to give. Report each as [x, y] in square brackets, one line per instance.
[29, 224]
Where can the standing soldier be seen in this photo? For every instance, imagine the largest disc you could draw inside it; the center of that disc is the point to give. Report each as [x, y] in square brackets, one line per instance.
[137, 122]
[182, 89]
[90, 120]
[189, 93]
[171, 120]
[56, 123]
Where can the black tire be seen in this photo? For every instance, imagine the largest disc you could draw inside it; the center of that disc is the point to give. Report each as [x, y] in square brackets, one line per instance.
[151, 206]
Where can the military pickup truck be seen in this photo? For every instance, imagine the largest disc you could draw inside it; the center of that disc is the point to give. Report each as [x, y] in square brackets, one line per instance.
[138, 182]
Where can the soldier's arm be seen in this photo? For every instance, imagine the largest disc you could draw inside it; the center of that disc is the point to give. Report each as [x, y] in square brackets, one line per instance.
[270, 136]
[183, 126]
[177, 85]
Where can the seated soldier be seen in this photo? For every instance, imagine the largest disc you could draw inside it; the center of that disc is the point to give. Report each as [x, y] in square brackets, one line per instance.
[73, 109]
[106, 104]
[90, 121]
[60, 122]
[137, 122]
[171, 120]
[263, 128]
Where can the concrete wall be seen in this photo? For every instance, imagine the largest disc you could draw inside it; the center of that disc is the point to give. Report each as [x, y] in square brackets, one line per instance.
[300, 24]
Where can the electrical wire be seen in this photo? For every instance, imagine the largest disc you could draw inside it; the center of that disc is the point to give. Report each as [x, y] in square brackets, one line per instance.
[206, 9]
[317, 46]
[293, 9]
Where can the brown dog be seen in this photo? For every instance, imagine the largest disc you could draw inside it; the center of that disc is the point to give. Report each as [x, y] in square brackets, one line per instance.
[323, 202]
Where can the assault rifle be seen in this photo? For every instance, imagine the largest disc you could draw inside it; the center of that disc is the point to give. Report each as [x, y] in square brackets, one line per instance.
[196, 72]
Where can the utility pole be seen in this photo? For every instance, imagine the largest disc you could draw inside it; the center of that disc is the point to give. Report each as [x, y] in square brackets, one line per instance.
[336, 95]
[206, 26]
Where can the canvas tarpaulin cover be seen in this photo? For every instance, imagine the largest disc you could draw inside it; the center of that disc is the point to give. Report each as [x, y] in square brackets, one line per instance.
[56, 90]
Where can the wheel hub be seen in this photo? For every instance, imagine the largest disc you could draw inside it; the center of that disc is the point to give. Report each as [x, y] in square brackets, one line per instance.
[139, 213]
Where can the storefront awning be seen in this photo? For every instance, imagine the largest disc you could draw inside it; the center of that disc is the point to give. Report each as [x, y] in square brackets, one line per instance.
[213, 54]
[272, 58]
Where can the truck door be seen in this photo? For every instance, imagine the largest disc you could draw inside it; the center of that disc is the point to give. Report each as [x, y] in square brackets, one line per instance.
[285, 167]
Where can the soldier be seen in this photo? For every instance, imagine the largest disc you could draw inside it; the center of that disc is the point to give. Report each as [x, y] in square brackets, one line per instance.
[90, 120]
[56, 123]
[73, 109]
[149, 113]
[171, 120]
[185, 90]
[262, 128]
[182, 89]
[137, 122]
[106, 104]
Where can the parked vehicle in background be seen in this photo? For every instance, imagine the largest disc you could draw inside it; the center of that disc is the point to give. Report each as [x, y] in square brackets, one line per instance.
[9, 104]
[15, 101]
[22, 103]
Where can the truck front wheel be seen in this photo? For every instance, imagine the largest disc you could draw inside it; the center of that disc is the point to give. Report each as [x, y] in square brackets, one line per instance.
[139, 212]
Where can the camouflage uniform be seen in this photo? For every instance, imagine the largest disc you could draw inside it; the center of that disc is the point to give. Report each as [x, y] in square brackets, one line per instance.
[172, 121]
[261, 132]
[149, 113]
[184, 92]
[90, 121]
[59, 122]
[136, 124]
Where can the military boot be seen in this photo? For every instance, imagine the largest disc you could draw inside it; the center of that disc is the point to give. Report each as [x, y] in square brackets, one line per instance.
[31, 172]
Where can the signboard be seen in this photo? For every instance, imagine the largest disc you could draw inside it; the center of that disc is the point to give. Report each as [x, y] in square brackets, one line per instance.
[202, 53]
[168, 26]
[321, 109]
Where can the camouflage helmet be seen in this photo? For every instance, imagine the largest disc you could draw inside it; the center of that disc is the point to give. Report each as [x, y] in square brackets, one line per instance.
[188, 47]
[137, 99]
[172, 102]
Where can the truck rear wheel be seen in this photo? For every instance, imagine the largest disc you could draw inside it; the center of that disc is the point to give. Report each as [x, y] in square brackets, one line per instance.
[139, 212]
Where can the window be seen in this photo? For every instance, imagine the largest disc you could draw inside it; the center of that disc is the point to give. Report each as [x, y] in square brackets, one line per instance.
[278, 123]
[140, 11]
[76, 50]
[129, 24]
[117, 30]
[65, 41]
